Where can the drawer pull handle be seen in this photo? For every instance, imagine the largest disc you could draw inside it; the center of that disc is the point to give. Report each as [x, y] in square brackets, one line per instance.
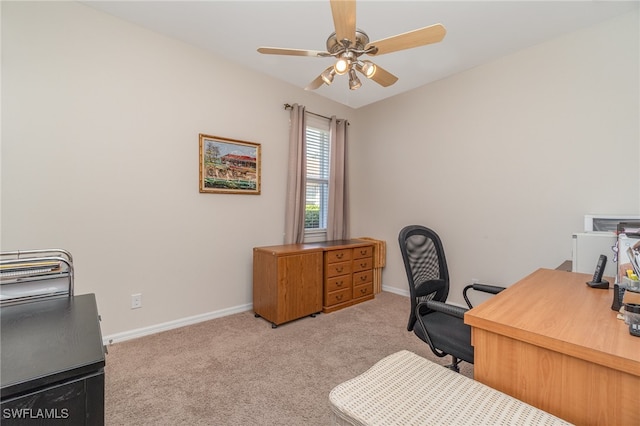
[363, 252]
[363, 277]
[339, 296]
[339, 269]
[340, 255]
[339, 283]
[363, 265]
[363, 290]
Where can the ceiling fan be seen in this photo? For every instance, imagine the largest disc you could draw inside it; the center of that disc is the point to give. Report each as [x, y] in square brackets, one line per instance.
[348, 43]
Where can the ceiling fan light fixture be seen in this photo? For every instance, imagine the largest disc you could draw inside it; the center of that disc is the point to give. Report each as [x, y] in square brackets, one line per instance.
[368, 68]
[354, 81]
[327, 76]
[342, 66]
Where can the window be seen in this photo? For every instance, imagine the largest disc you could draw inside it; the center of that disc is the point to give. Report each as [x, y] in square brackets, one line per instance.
[317, 190]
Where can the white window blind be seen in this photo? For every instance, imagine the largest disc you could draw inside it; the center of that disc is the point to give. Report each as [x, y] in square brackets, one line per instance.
[317, 190]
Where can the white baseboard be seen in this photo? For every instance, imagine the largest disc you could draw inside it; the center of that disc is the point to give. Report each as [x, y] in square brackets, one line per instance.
[170, 325]
[145, 331]
[396, 290]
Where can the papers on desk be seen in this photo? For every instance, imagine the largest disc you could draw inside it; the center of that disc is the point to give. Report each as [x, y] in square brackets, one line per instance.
[634, 258]
[628, 251]
[29, 268]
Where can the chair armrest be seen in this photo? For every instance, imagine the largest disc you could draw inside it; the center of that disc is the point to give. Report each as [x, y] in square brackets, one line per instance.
[493, 289]
[445, 308]
[486, 288]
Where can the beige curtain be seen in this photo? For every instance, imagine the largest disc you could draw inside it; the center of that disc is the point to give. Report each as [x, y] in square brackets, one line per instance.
[296, 177]
[338, 214]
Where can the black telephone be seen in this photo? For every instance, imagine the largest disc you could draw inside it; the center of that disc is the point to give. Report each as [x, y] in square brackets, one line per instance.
[618, 295]
[597, 281]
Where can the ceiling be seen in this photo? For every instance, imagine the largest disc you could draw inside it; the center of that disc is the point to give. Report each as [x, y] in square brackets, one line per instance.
[477, 32]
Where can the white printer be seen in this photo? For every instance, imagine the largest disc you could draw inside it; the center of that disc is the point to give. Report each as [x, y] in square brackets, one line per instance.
[599, 237]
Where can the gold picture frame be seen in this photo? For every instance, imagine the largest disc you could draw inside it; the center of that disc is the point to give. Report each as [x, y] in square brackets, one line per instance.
[229, 166]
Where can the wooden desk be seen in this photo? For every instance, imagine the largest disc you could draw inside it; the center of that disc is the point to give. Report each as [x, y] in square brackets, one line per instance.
[555, 343]
[52, 363]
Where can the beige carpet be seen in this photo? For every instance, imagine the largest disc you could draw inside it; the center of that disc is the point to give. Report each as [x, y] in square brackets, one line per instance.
[237, 370]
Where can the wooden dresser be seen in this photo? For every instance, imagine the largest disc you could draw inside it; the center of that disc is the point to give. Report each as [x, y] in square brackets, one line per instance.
[348, 277]
[296, 280]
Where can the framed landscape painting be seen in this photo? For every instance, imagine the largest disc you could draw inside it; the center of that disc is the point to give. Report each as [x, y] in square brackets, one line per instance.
[229, 166]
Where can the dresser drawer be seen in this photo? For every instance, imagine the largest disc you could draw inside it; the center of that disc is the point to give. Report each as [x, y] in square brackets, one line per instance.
[336, 269]
[334, 256]
[338, 283]
[336, 297]
[362, 290]
[360, 252]
[360, 278]
[363, 264]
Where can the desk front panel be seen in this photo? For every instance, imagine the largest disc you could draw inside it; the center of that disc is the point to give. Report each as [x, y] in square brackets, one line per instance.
[579, 391]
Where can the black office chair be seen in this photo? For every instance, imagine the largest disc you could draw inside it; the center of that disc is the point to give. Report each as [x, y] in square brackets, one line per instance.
[437, 323]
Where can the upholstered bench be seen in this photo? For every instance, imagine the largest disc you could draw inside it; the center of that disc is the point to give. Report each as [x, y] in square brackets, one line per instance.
[405, 389]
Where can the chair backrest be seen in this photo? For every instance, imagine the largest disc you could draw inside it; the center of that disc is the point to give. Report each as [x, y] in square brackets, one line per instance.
[426, 266]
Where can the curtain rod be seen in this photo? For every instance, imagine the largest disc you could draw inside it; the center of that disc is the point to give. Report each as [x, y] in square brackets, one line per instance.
[289, 106]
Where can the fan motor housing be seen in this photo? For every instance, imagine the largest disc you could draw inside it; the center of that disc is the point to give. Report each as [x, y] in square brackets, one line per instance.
[333, 45]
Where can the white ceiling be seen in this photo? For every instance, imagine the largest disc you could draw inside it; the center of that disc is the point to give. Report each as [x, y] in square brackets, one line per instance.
[477, 32]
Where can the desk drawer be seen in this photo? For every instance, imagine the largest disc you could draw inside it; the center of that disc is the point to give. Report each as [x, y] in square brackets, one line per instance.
[362, 290]
[360, 252]
[336, 269]
[338, 283]
[334, 256]
[337, 297]
[362, 278]
[363, 264]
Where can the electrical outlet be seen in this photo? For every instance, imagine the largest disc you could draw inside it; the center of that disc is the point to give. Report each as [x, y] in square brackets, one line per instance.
[136, 301]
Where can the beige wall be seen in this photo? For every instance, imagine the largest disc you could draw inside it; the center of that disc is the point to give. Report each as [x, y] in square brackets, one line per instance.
[505, 159]
[100, 123]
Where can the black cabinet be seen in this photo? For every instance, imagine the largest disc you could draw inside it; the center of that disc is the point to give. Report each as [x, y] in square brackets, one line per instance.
[52, 363]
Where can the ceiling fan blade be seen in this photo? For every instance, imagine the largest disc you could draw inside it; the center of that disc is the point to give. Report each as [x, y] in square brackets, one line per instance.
[292, 52]
[383, 77]
[317, 82]
[344, 19]
[420, 37]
